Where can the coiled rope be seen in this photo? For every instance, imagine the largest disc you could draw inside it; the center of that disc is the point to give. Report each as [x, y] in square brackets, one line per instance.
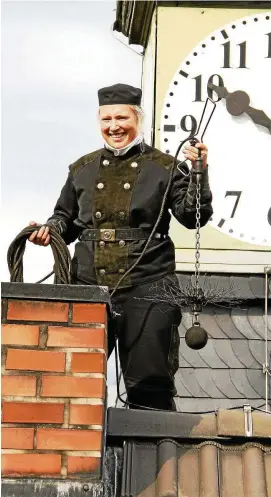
[61, 254]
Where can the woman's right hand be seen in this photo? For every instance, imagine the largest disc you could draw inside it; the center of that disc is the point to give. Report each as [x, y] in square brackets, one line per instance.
[41, 236]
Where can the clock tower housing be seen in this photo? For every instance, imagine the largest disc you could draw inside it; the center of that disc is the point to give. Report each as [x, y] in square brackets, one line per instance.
[188, 47]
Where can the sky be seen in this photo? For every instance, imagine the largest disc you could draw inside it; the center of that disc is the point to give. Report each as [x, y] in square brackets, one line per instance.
[55, 56]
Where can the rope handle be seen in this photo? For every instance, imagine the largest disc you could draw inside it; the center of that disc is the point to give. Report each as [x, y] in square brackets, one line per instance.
[61, 254]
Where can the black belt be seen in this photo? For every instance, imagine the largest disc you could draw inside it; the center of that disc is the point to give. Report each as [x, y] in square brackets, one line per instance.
[115, 235]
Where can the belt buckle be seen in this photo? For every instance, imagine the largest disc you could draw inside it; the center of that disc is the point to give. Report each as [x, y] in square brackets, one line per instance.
[107, 235]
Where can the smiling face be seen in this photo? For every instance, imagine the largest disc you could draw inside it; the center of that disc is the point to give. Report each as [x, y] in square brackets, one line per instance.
[119, 124]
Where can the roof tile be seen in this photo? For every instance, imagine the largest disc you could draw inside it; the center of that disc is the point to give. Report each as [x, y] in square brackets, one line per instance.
[257, 380]
[257, 286]
[242, 287]
[257, 349]
[224, 350]
[231, 423]
[208, 321]
[256, 320]
[182, 329]
[186, 318]
[182, 390]
[182, 362]
[240, 319]
[188, 464]
[245, 287]
[243, 353]
[224, 383]
[192, 357]
[187, 378]
[224, 321]
[200, 405]
[207, 382]
[220, 383]
[210, 356]
[241, 383]
[194, 470]
[254, 471]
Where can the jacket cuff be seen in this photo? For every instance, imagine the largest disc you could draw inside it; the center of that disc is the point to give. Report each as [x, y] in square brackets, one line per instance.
[192, 188]
[57, 224]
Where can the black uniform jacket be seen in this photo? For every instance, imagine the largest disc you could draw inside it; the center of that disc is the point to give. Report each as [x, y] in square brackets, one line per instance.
[105, 191]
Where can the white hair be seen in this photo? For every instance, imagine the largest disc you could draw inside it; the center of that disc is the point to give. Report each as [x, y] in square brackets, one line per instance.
[138, 112]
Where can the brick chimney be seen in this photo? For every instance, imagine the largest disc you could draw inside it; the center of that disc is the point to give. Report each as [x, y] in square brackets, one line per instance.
[54, 340]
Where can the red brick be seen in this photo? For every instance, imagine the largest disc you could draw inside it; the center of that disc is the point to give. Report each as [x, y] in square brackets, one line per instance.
[17, 438]
[19, 385]
[67, 439]
[31, 464]
[82, 414]
[79, 464]
[22, 412]
[35, 360]
[88, 362]
[20, 334]
[68, 386]
[89, 313]
[59, 336]
[29, 310]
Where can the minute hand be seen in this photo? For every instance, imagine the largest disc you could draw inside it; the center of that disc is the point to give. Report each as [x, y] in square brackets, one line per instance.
[259, 117]
[238, 102]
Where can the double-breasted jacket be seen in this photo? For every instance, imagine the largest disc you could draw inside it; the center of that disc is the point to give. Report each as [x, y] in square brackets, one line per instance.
[117, 192]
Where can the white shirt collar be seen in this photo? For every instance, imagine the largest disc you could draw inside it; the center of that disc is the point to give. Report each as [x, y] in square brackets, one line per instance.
[122, 151]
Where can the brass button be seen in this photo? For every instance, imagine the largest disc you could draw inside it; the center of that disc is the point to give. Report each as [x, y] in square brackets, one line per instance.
[121, 271]
[122, 214]
[121, 243]
[102, 272]
[105, 162]
[102, 244]
[134, 164]
[127, 186]
[100, 186]
[98, 215]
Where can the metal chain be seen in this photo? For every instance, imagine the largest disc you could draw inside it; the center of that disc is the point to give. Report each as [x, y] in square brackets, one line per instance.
[197, 245]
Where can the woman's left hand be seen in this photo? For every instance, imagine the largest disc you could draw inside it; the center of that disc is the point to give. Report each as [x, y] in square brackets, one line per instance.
[191, 152]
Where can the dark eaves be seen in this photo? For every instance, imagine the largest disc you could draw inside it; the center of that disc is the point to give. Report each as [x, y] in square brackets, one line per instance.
[133, 20]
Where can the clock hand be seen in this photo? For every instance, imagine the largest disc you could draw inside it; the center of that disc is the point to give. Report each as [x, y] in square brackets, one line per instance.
[221, 91]
[237, 103]
[259, 117]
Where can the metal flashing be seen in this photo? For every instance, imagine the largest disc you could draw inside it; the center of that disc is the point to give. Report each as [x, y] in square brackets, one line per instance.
[68, 293]
[126, 424]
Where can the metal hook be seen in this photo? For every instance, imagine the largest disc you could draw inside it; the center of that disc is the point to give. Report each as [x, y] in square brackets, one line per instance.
[192, 138]
[202, 115]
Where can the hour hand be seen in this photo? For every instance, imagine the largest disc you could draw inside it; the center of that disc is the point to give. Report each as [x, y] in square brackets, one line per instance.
[221, 91]
[237, 103]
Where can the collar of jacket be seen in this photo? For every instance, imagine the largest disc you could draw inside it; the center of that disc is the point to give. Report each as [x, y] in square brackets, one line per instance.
[140, 148]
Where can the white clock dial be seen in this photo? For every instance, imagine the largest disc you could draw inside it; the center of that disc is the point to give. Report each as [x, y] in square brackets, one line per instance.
[237, 56]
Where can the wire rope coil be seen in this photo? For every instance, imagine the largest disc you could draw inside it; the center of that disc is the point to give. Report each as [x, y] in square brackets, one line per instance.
[61, 254]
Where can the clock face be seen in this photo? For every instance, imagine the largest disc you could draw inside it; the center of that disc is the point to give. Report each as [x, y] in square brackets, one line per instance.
[236, 56]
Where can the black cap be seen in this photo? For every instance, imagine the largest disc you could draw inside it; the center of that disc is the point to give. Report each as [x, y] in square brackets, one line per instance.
[119, 94]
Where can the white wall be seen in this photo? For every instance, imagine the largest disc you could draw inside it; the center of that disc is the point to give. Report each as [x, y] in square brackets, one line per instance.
[55, 55]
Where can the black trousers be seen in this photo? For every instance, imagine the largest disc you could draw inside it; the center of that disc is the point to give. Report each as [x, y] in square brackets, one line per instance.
[148, 338]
